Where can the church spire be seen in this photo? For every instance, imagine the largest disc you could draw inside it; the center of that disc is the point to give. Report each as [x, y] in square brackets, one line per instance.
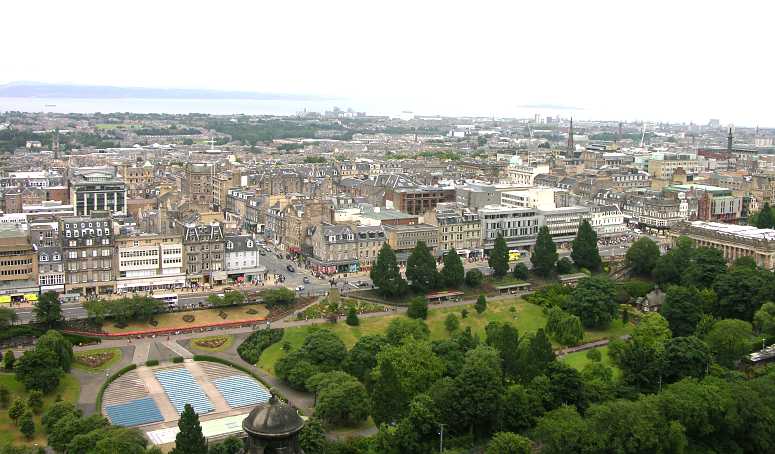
[571, 146]
[729, 140]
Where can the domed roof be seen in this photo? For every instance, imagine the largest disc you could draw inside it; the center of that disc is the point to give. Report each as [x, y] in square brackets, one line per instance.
[273, 419]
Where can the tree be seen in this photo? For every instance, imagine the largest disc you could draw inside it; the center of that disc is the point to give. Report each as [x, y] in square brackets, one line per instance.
[499, 257]
[652, 330]
[190, 439]
[537, 355]
[478, 389]
[281, 296]
[520, 271]
[322, 351]
[764, 319]
[544, 253]
[451, 323]
[729, 340]
[56, 412]
[520, 409]
[56, 343]
[564, 266]
[766, 217]
[352, 317]
[400, 328]
[7, 316]
[421, 269]
[96, 310]
[312, 437]
[474, 278]
[594, 302]
[48, 310]
[343, 402]
[508, 443]
[35, 401]
[386, 275]
[745, 261]
[641, 365]
[481, 304]
[453, 273]
[562, 431]
[565, 328]
[413, 368]
[584, 248]
[8, 360]
[670, 267]
[27, 425]
[740, 292]
[685, 357]
[504, 337]
[231, 445]
[17, 410]
[39, 369]
[682, 309]
[705, 266]
[418, 308]
[363, 356]
[642, 256]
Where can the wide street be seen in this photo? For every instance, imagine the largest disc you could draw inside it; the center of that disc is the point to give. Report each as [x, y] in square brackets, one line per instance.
[293, 280]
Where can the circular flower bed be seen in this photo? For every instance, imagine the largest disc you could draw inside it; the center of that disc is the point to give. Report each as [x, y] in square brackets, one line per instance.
[188, 318]
[251, 311]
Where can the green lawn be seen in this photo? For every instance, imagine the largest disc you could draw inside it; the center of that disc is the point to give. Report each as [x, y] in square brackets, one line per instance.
[85, 353]
[68, 389]
[578, 360]
[527, 317]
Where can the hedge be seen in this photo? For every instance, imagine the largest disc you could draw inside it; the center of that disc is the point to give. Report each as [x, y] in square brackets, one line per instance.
[77, 339]
[110, 380]
[152, 362]
[252, 347]
[20, 331]
[177, 359]
[226, 362]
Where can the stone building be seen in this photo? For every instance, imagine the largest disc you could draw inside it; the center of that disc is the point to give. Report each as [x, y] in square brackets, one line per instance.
[87, 246]
[734, 241]
[203, 253]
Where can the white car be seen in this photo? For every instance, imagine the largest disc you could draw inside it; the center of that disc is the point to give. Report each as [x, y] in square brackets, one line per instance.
[300, 288]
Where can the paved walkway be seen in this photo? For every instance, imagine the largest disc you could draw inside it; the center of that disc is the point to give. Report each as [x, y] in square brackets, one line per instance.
[140, 355]
[207, 386]
[177, 348]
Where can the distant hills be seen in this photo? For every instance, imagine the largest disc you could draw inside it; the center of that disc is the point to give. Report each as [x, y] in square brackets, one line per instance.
[43, 90]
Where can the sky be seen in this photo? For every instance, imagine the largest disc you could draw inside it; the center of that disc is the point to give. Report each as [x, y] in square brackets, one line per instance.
[678, 60]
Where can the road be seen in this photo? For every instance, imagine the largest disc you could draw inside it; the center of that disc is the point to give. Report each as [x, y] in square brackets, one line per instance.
[278, 266]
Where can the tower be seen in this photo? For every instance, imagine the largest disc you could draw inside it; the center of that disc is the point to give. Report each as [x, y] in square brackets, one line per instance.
[571, 147]
[729, 140]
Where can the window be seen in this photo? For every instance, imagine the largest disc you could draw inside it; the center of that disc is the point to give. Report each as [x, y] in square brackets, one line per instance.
[57, 257]
[73, 254]
[44, 258]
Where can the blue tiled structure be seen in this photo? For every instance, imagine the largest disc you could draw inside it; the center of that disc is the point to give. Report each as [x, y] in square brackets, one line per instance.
[134, 412]
[182, 389]
[239, 391]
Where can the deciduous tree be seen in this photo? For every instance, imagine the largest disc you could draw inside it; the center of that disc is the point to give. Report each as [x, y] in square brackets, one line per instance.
[48, 310]
[642, 256]
[682, 309]
[593, 301]
[729, 340]
[474, 278]
[508, 443]
[418, 308]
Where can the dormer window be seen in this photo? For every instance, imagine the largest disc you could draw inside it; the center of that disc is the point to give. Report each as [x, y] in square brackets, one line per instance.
[44, 258]
[57, 257]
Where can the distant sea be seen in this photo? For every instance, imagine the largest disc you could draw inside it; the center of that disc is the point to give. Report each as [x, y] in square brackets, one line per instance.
[170, 106]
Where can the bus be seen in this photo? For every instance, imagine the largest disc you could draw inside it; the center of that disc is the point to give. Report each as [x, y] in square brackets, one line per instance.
[170, 298]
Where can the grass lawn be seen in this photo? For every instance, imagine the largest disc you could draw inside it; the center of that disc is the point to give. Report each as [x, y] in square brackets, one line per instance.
[175, 319]
[201, 343]
[578, 360]
[68, 389]
[107, 365]
[616, 330]
[527, 318]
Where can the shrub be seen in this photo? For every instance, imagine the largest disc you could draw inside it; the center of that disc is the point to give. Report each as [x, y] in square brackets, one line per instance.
[594, 355]
[152, 362]
[474, 278]
[520, 271]
[77, 339]
[418, 308]
[564, 266]
[250, 350]
[177, 359]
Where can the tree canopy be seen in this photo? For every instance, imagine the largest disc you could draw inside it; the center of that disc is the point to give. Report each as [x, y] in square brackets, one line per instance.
[544, 253]
[584, 248]
[499, 257]
[386, 275]
[421, 269]
[453, 273]
[642, 256]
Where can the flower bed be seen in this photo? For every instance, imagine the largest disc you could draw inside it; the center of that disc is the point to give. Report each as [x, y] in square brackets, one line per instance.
[326, 308]
[212, 343]
[97, 359]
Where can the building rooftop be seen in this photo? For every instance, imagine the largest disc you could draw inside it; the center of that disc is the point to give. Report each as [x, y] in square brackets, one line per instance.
[743, 231]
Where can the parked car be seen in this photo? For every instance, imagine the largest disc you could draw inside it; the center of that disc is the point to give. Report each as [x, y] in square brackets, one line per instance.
[300, 288]
[306, 280]
[290, 268]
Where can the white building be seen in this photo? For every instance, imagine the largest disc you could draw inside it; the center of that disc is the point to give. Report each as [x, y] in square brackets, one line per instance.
[607, 220]
[525, 174]
[241, 261]
[535, 197]
[49, 207]
[149, 262]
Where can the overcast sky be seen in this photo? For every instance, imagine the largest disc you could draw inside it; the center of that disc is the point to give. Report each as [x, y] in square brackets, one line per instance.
[676, 60]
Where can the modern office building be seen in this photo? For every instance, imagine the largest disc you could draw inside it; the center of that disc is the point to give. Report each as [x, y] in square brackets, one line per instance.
[97, 189]
[18, 266]
[148, 261]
